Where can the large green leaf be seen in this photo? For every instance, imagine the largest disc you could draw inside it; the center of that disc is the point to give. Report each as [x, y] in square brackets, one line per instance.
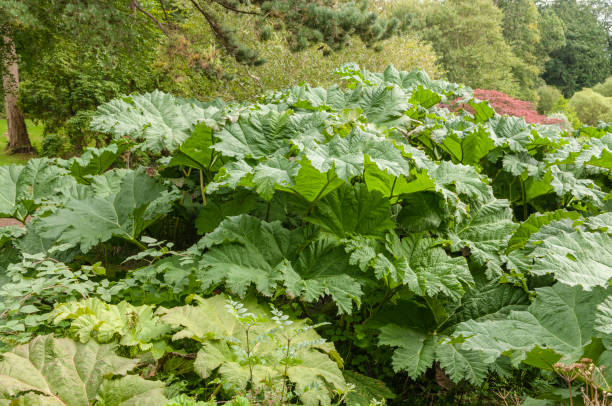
[94, 161]
[159, 120]
[467, 146]
[59, 372]
[572, 256]
[485, 233]
[245, 251]
[603, 319]
[312, 185]
[215, 211]
[347, 155]
[425, 97]
[420, 340]
[25, 188]
[457, 179]
[560, 319]
[139, 202]
[534, 223]
[567, 183]
[422, 266]
[195, 151]
[382, 105]
[602, 222]
[416, 352]
[277, 172]
[421, 212]
[256, 135]
[353, 210]
[513, 130]
[488, 300]
[323, 269]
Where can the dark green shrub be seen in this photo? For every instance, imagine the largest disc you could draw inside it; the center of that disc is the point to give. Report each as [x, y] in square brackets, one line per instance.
[80, 134]
[54, 145]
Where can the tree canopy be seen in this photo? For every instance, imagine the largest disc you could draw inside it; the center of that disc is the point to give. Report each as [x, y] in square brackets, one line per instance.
[585, 60]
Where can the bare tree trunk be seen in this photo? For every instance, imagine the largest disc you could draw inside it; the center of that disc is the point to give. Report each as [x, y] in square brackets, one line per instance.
[18, 139]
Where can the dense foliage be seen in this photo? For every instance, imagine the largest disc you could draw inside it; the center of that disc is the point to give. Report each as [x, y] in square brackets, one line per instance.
[585, 60]
[464, 248]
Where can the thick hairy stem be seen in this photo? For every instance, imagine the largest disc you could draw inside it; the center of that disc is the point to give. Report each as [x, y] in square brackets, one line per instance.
[286, 372]
[202, 189]
[248, 351]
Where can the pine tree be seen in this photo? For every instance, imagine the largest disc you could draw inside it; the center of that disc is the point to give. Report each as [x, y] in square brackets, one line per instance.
[30, 25]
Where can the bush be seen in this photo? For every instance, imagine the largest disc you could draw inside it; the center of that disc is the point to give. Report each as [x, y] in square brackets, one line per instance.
[80, 134]
[591, 106]
[605, 88]
[547, 97]
[506, 105]
[54, 145]
[562, 106]
[562, 121]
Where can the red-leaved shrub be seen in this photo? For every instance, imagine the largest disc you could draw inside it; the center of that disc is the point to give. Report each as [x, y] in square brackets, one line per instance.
[506, 105]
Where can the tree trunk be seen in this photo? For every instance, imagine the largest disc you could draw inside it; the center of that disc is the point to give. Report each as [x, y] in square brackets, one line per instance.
[18, 139]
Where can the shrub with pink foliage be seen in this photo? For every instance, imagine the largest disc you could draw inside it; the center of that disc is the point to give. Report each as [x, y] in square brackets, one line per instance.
[506, 105]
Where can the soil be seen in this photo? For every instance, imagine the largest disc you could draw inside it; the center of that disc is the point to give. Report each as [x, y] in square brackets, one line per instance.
[10, 222]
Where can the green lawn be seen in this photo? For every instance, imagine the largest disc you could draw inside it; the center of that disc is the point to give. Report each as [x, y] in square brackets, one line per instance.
[35, 131]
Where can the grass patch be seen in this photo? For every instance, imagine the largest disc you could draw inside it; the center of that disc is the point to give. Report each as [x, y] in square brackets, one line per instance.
[36, 135]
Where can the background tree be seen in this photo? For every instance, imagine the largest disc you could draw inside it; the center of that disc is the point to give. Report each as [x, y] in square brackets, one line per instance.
[468, 37]
[129, 30]
[521, 29]
[552, 33]
[12, 11]
[42, 31]
[585, 59]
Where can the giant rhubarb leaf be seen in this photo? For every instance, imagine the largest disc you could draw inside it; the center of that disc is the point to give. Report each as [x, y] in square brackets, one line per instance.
[485, 233]
[347, 155]
[420, 340]
[423, 266]
[353, 210]
[125, 213]
[25, 188]
[161, 121]
[59, 372]
[572, 256]
[561, 319]
[245, 251]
